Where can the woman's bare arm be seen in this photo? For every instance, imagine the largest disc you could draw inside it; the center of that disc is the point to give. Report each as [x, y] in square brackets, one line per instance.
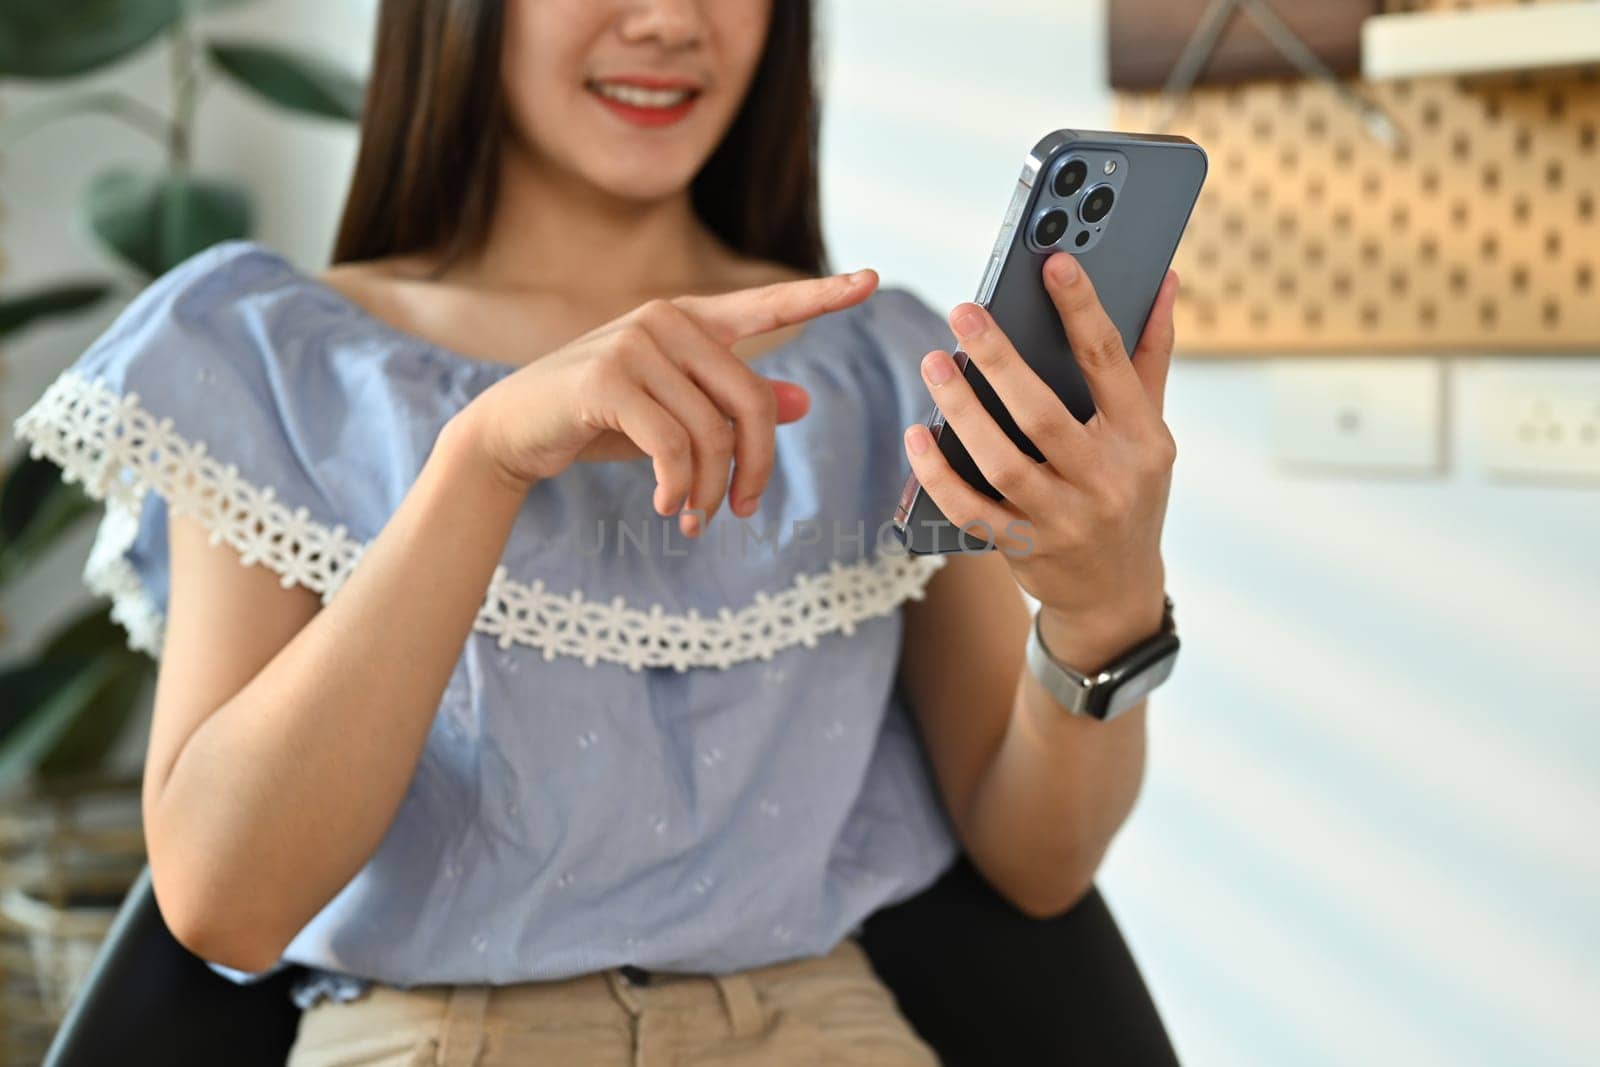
[1035, 794]
[285, 736]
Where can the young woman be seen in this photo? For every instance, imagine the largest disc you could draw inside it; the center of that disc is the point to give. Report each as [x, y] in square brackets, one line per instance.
[625, 714]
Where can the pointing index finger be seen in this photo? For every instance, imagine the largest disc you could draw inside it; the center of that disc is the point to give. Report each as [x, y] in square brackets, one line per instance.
[745, 312]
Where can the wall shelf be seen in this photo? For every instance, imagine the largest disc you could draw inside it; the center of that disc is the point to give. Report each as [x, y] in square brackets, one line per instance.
[1486, 40]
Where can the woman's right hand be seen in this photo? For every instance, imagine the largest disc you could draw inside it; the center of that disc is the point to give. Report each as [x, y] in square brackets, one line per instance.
[661, 381]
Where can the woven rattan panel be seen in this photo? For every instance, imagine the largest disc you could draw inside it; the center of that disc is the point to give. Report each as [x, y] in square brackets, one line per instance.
[1481, 232]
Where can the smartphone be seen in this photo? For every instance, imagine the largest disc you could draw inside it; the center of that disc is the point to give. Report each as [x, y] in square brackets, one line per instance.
[1117, 201]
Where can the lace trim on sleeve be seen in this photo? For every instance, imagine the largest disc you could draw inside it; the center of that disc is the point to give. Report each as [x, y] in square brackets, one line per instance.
[120, 452]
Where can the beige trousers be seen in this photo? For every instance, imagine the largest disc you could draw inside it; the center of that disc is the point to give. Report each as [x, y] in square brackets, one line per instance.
[829, 1009]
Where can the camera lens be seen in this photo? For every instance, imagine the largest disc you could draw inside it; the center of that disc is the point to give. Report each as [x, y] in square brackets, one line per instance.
[1051, 226]
[1096, 204]
[1069, 179]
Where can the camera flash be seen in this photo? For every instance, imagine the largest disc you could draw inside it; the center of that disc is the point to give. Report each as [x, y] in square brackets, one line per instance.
[1111, 166]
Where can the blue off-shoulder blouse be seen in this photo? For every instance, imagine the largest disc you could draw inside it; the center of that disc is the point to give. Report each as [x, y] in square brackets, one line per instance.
[681, 754]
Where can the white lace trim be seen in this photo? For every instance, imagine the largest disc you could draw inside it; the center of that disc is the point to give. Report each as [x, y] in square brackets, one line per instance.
[120, 452]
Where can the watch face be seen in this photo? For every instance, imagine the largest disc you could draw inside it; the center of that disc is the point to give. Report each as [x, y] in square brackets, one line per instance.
[1146, 667]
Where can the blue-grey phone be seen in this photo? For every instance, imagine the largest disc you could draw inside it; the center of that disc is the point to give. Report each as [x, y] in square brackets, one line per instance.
[1117, 201]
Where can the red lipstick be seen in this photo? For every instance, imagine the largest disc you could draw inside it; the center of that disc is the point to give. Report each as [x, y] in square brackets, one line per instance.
[640, 98]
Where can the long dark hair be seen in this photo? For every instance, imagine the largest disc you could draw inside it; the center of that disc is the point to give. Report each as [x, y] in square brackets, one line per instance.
[428, 164]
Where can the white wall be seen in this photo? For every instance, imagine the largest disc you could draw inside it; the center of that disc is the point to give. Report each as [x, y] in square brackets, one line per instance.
[1368, 829]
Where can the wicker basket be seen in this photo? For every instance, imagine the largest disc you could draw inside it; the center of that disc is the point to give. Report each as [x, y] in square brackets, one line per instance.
[69, 850]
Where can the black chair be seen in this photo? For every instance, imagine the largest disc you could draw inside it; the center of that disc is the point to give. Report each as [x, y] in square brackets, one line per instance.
[983, 983]
[987, 985]
[147, 999]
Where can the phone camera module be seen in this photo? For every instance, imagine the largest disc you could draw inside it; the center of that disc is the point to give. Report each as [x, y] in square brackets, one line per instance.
[1052, 224]
[1070, 177]
[1096, 204]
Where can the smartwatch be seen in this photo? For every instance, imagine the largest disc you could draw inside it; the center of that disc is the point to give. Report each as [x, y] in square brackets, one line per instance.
[1117, 686]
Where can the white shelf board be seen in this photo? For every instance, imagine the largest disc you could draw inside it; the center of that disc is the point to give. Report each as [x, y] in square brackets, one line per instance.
[1523, 37]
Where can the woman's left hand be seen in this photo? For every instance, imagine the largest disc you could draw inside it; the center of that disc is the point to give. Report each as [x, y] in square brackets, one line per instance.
[1082, 530]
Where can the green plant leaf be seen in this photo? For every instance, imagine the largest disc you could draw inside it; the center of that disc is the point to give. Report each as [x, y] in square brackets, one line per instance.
[26, 488]
[293, 80]
[26, 686]
[37, 508]
[41, 701]
[21, 311]
[52, 720]
[101, 722]
[111, 102]
[92, 632]
[61, 38]
[156, 221]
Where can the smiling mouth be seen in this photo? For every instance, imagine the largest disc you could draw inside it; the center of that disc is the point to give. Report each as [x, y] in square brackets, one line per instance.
[639, 96]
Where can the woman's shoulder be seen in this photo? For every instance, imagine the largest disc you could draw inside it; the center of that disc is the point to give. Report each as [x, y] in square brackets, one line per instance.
[244, 279]
[219, 304]
[216, 278]
[901, 312]
[186, 318]
[232, 354]
[191, 402]
[244, 307]
[205, 351]
[900, 327]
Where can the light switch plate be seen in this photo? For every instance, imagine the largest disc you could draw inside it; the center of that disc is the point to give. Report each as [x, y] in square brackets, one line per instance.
[1538, 420]
[1363, 414]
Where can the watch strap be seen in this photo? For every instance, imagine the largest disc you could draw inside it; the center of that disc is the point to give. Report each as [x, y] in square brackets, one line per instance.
[1116, 686]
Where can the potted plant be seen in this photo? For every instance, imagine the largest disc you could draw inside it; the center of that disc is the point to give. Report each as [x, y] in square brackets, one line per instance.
[65, 705]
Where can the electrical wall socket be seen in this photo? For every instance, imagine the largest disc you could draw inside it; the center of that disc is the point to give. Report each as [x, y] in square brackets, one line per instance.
[1540, 421]
[1361, 414]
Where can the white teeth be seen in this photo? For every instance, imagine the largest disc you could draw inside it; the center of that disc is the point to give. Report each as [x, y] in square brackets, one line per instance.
[639, 97]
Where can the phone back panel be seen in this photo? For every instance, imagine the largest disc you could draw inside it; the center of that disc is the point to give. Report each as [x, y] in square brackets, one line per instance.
[1160, 181]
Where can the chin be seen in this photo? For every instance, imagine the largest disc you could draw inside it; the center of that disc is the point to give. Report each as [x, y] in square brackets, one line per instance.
[644, 175]
[645, 191]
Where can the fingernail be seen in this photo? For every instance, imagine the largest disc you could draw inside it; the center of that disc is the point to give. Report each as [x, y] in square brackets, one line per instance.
[744, 506]
[938, 367]
[1067, 269]
[917, 439]
[858, 276]
[968, 322]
